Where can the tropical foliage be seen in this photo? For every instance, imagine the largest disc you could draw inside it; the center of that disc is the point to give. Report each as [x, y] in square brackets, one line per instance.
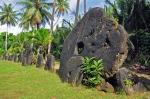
[9, 17]
[35, 13]
[59, 35]
[134, 16]
[93, 71]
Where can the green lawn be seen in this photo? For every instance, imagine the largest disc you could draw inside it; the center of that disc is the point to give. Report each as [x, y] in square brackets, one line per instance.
[17, 82]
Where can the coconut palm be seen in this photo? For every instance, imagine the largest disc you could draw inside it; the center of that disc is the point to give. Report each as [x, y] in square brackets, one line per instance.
[9, 17]
[60, 7]
[77, 11]
[84, 6]
[53, 14]
[35, 13]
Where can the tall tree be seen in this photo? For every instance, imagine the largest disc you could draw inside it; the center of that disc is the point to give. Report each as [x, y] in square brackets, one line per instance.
[60, 7]
[84, 6]
[35, 13]
[133, 14]
[9, 17]
[77, 11]
[53, 15]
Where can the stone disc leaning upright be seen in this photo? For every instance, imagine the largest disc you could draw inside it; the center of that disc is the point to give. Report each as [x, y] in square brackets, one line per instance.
[94, 36]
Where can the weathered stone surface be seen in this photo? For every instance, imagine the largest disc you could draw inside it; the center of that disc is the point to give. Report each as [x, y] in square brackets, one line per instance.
[50, 62]
[121, 76]
[11, 57]
[129, 90]
[5, 56]
[141, 82]
[107, 87]
[72, 72]
[24, 60]
[27, 56]
[20, 57]
[139, 87]
[96, 36]
[15, 58]
[39, 62]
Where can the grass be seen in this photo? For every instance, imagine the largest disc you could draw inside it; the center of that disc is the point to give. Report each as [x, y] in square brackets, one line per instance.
[18, 82]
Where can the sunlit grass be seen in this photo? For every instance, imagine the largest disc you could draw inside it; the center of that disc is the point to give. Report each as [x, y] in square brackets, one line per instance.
[18, 82]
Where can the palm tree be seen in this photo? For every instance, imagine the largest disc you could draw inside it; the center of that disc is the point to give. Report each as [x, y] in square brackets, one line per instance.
[84, 6]
[77, 11]
[53, 14]
[60, 7]
[9, 17]
[35, 13]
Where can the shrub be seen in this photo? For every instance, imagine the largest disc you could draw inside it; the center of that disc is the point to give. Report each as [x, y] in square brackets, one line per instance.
[144, 59]
[93, 71]
[59, 35]
[141, 41]
[128, 82]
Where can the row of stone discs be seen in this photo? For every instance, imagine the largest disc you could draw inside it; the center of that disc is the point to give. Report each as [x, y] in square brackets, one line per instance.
[49, 64]
[27, 58]
[13, 57]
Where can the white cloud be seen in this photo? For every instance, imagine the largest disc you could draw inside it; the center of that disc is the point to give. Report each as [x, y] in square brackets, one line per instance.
[14, 30]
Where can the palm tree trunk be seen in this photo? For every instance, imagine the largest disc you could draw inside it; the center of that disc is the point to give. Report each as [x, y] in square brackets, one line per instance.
[49, 47]
[77, 11]
[57, 20]
[33, 30]
[84, 6]
[52, 24]
[53, 15]
[37, 26]
[6, 39]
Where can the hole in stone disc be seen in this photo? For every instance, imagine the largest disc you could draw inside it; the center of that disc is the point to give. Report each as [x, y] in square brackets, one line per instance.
[122, 53]
[93, 44]
[107, 43]
[69, 74]
[92, 32]
[80, 47]
[93, 52]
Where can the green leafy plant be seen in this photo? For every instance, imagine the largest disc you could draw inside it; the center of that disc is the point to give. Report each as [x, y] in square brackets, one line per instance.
[128, 82]
[93, 71]
[144, 60]
[59, 35]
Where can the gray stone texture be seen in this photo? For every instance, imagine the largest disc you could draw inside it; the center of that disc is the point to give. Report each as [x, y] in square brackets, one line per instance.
[94, 36]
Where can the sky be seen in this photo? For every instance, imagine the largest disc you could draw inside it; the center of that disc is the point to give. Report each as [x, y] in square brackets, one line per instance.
[69, 16]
